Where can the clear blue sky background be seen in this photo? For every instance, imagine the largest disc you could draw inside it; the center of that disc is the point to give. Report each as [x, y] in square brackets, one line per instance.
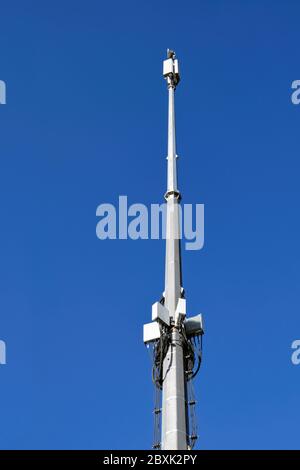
[85, 121]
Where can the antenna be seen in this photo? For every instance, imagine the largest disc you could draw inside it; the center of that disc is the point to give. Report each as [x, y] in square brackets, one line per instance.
[176, 340]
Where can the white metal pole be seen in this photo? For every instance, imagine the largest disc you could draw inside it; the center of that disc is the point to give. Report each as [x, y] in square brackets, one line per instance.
[174, 422]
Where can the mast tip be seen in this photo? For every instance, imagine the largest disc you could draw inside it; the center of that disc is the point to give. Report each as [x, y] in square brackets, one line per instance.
[171, 54]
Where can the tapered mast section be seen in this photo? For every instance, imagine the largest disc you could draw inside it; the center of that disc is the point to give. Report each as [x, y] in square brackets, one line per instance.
[174, 423]
[173, 262]
[177, 351]
[172, 170]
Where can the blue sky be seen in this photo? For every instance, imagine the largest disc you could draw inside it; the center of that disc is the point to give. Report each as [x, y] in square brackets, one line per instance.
[85, 122]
